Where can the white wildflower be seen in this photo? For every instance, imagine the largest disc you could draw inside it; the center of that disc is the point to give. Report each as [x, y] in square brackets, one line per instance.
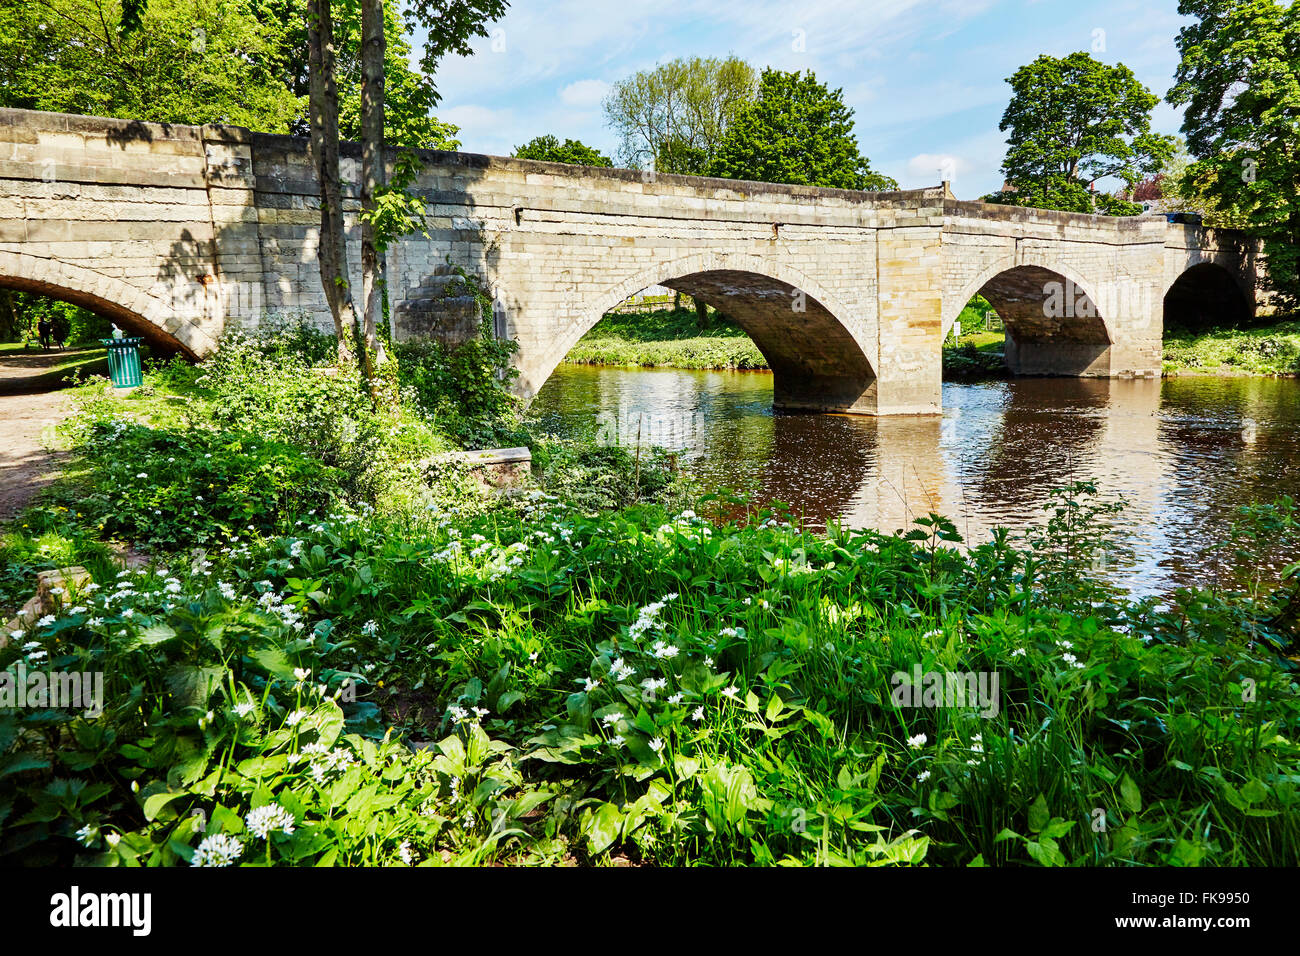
[220, 849]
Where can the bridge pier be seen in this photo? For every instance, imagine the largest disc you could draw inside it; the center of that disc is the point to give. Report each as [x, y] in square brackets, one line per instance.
[182, 233]
[800, 392]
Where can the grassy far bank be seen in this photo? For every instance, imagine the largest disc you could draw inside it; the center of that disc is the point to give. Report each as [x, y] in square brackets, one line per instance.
[675, 340]
[1272, 349]
[593, 683]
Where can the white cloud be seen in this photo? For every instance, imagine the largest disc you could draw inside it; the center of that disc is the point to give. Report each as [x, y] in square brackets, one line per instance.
[584, 93]
[937, 166]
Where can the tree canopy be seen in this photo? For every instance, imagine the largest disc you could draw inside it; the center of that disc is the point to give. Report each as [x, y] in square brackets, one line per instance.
[1074, 121]
[183, 61]
[169, 61]
[549, 149]
[675, 115]
[797, 131]
[1239, 81]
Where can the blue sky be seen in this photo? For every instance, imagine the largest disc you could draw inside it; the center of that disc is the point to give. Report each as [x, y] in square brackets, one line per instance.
[924, 77]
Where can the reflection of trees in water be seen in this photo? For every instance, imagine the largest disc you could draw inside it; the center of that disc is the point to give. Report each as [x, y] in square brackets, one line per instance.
[1228, 443]
[1044, 438]
[816, 463]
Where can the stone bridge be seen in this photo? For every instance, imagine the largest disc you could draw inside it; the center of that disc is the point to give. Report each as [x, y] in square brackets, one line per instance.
[180, 233]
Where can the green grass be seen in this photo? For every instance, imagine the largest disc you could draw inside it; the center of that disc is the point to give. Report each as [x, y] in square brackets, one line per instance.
[81, 361]
[1267, 350]
[672, 339]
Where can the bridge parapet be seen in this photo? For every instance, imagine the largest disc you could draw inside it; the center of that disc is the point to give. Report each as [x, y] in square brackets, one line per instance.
[183, 232]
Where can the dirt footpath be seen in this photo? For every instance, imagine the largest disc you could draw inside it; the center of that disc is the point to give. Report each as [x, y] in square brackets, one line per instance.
[26, 465]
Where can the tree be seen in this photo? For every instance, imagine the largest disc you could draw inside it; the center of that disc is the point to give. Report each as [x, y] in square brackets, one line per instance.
[409, 95]
[179, 61]
[323, 112]
[1072, 122]
[548, 149]
[1239, 81]
[386, 209]
[167, 61]
[798, 131]
[675, 115]
[373, 178]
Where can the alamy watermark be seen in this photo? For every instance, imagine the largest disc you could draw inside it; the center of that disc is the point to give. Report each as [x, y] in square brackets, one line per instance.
[72, 690]
[934, 689]
[1132, 301]
[645, 429]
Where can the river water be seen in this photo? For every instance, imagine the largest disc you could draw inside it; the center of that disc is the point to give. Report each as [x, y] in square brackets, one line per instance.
[1183, 453]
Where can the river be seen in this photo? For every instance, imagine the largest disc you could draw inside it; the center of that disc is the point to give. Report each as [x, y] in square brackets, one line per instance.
[1184, 453]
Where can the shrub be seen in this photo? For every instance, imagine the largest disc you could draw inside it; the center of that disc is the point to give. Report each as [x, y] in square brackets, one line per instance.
[653, 685]
[595, 477]
[169, 488]
[462, 389]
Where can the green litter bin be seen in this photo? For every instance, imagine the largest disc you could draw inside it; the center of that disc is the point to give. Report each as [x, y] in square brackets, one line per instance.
[124, 362]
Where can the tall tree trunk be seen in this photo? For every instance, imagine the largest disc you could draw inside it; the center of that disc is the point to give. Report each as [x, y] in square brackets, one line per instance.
[701, 314]
[323, 111]
[372, 176]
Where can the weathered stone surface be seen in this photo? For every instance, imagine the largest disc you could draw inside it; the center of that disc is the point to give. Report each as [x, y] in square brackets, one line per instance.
[183, 232]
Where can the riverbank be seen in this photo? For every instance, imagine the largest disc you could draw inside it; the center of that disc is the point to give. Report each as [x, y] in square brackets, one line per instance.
[320, 667]
[667, 339]
[676, 340]
[1272, 349]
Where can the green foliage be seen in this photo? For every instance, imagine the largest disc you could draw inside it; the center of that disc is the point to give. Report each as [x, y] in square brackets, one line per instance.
[1240, 88]
[449, 25]
[182, 61]
[228, 731]
[409, 96]
[649, 685]
[42, 539]
[1267, 350]
[1071, 122]
[798, 131]
[666, 338]
[676, 115]
[548, 149]
[167, 487]
[460, 389]
[76, 325]
[598, 476]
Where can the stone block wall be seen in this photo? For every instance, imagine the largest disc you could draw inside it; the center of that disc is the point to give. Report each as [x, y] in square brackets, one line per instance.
[184, 232]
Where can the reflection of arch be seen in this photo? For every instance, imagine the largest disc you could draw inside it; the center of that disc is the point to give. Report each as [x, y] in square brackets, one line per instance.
[1010, 264]
[1206, 295]
[133, 308]
[816, 347]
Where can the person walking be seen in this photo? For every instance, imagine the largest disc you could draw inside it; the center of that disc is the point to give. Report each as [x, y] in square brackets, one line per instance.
[43, 328]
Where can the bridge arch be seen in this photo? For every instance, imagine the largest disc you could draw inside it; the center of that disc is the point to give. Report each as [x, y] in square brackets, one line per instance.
[1206, 294]
[1055, 321]
[134, 310]
[821, 352]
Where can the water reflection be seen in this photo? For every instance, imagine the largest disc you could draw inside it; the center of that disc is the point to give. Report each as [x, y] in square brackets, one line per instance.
[1184, 453]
